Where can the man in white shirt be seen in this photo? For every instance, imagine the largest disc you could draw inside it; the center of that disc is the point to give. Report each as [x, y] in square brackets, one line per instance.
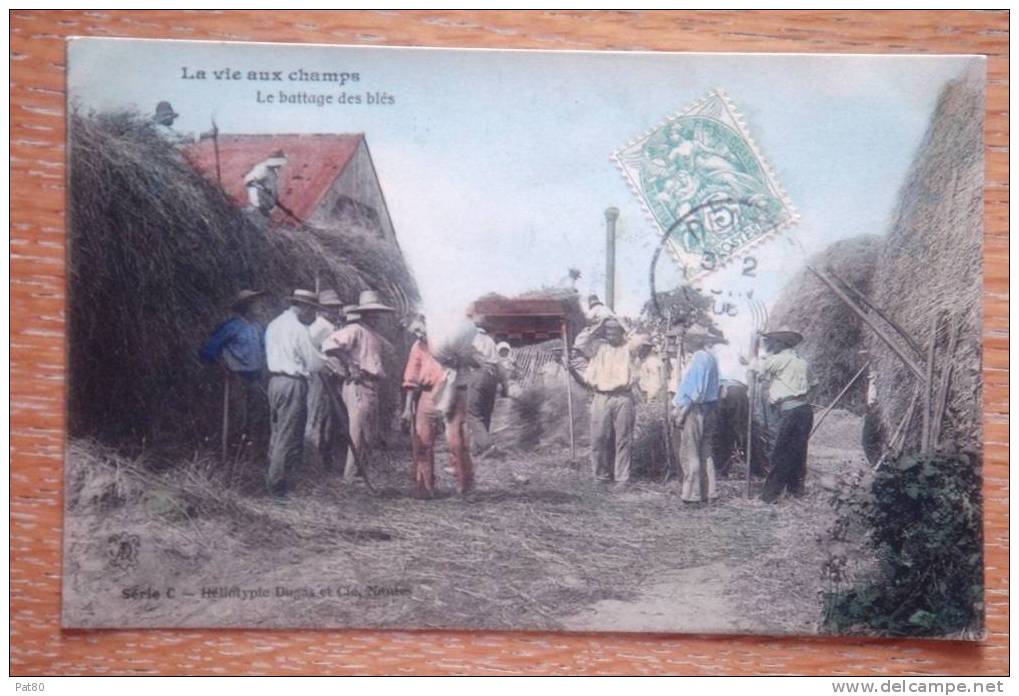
[292, 359]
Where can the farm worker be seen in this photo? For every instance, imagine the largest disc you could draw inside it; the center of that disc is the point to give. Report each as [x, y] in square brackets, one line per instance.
[238, 345]
[507, 366]
[359, 348]
[484, 381]
[650, 378]
[262, 183]
[292, 360]
[423, 378]
[326, 430]
[163, 120]
[790, 383]
[596, 311]
[696, 413]
[607, 365]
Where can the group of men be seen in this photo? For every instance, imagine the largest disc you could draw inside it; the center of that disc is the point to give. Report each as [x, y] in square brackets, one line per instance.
[323, 358]
[616, 370]
[325, 363]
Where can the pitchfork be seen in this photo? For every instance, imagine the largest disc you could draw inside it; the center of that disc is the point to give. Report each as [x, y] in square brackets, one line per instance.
[759, 316]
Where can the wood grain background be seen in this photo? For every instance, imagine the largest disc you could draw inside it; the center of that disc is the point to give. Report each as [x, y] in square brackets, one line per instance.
[38, 646]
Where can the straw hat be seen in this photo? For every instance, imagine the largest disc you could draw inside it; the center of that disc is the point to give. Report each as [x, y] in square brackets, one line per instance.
[246, 296]
[501, 345]
[276, 159]
[329, 298]
[164, 110]
[369, 301]
[785, 335]
[350, 311]
[304, 297]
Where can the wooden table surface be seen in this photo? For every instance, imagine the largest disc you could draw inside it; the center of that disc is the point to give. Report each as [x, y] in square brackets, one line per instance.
[38, 646]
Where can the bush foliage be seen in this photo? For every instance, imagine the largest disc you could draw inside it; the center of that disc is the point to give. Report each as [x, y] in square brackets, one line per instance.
[924, 519]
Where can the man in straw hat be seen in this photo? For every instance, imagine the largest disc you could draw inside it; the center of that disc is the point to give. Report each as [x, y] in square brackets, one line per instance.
[359, 348]
[326, 431]
[484, 381]
[292, 360]
[423, 379]
[696, 406]
[608, 366]
[789, 384]
[163, 122]
[262, 183]
[237, 344]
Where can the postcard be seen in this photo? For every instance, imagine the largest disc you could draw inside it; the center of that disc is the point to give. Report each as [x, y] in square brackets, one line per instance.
[523, 340]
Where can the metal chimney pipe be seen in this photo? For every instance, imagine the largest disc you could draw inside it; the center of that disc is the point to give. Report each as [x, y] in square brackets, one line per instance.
[611, 215]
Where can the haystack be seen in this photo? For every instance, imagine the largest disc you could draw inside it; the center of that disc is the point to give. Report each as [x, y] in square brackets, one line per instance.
[833, 334]
[156, 254]
[931, 261]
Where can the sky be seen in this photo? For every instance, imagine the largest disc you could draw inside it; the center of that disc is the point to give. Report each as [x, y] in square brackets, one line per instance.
[496, 164]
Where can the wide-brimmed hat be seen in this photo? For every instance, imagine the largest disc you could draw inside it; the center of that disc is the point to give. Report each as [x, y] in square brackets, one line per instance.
[329, 298]
[501, 345]
[163, 109]
[369, 301]
[785, 335]
[245, 296]
[350, 311]
[593, 300]
[696, 332]
[304, 297]
[276, 159]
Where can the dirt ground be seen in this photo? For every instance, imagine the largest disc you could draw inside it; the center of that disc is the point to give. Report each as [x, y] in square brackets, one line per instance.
[539, 545]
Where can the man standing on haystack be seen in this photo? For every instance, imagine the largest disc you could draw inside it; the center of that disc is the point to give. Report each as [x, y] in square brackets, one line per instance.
[789, 384]
[163, 120]
[238, 345]
[424, 380]
[359, 348]
[292, 360]
[696, 404]
[326, 431]
[607, 365]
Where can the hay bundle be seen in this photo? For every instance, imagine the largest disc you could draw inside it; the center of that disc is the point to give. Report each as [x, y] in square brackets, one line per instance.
[156, 254]
[833, 334]
[930, 263]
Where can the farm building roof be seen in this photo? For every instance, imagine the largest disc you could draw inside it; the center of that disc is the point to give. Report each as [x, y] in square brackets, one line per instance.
[314, 161]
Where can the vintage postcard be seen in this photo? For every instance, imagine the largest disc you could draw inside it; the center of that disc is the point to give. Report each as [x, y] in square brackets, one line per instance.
[523, 340]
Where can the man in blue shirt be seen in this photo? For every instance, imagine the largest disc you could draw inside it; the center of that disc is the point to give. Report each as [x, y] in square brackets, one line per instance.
[238, 344]
[696, 404]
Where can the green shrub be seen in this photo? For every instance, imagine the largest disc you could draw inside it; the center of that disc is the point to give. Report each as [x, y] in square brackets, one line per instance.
[923, 515]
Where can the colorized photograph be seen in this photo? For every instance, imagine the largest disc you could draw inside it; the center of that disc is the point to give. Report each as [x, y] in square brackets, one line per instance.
[418, 338]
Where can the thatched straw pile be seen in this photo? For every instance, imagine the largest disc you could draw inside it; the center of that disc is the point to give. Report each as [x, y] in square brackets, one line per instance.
[833, 334]
[930, 262]
[156, 254]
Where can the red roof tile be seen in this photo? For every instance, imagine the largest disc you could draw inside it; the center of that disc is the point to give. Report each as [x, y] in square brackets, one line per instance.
[314, 161]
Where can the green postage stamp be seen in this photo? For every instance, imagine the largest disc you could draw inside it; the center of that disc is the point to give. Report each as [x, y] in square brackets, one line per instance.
[705, 184]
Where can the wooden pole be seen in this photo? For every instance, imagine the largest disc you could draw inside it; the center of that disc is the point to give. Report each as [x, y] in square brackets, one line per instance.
[824, 414]
[893, 446]
[226, 415]
[611, 215]
[869, 321]
[569, 393]
[751, 399]
[864, 300]
[665, 398]
[925, 432]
